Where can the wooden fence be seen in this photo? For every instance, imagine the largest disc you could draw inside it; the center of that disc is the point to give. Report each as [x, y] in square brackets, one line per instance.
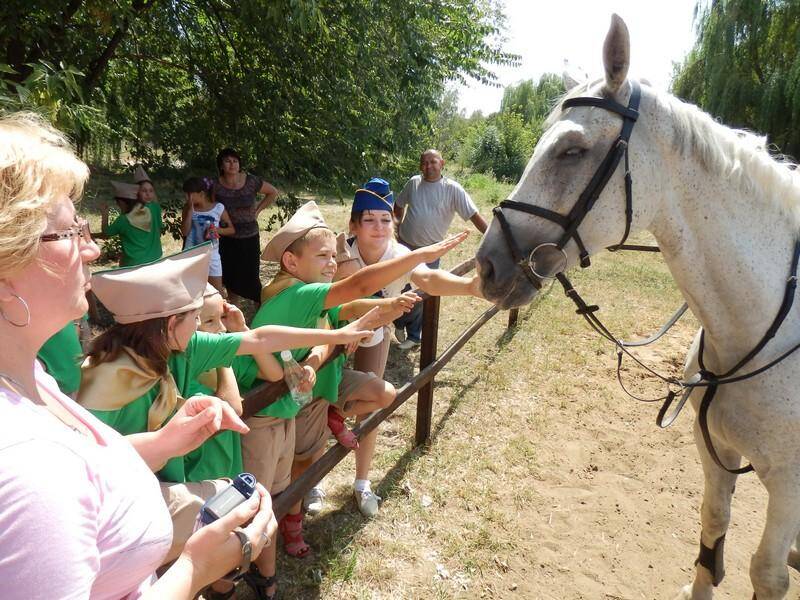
[421, 384]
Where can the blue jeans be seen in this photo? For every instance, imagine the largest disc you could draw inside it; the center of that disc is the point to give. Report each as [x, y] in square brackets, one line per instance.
[412, 321]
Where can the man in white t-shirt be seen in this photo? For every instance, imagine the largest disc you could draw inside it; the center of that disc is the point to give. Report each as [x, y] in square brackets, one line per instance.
[425, 209]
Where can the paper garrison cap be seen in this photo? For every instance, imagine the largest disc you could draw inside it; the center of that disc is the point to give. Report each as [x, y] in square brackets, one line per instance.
[140, 175]
[125, 191]
[168, 286]
[375, 195]
[210, 291]
[304, 220]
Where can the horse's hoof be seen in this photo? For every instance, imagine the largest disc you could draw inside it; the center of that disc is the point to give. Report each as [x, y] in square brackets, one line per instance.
[687, 594]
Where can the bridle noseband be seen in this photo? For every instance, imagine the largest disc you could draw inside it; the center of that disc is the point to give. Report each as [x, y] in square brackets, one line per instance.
[570, 223]
[586, 201]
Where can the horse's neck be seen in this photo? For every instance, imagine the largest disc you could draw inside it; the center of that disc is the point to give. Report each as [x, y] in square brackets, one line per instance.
[730, 256]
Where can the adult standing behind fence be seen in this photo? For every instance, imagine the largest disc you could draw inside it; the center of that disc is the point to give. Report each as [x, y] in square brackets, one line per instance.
[425, 209]
[241, 252]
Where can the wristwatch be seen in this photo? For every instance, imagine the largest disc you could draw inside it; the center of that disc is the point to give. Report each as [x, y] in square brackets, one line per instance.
[247, 555]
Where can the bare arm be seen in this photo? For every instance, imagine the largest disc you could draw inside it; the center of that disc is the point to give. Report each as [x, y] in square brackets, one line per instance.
[479, 222]
[270, 195]
[228, 389]
[399, 211]
[186, 217]
[386, 306]
[229, 229]
[438, 282]
[269, 369]
[373, 277]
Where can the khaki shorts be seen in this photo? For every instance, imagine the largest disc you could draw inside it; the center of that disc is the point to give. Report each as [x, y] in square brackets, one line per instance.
[184, 501]
[268, 451]
[352, 381]
[311, 429]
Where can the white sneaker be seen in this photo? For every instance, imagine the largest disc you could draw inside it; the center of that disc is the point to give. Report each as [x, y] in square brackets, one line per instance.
[367, 502]
[409, 344]
[314, 501]
[400, 334]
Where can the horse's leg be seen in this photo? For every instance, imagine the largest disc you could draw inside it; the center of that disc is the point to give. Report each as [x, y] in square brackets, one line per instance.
[768, 571]
[715, 515]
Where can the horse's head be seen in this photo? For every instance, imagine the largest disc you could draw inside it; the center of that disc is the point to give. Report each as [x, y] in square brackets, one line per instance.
[523, 245]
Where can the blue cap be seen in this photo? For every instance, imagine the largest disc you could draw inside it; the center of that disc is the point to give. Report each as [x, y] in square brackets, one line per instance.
[375, 195]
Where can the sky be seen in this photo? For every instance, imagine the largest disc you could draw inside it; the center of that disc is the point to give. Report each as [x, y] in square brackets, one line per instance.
[545, 33]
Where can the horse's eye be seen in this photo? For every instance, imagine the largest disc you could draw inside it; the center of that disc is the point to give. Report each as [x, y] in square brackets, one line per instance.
[572, 152]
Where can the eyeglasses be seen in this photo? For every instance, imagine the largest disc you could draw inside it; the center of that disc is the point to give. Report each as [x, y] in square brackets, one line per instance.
[80, 228]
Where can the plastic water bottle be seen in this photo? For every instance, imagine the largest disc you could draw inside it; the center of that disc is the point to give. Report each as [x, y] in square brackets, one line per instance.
[294, 374]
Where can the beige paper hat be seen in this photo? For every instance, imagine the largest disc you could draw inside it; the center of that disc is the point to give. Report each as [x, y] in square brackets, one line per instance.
[210, 291]
[140, 175]
[125, 191]
[304, 220]
[168, 286]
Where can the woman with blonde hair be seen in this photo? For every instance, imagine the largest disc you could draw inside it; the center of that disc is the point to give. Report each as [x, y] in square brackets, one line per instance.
[80, 509]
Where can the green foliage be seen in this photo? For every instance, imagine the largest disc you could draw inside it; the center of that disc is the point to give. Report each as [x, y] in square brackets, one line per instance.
[308, 91]
[502, 143]
[745, 67]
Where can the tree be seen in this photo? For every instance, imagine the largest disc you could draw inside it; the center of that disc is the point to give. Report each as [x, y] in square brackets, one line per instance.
[745, 67]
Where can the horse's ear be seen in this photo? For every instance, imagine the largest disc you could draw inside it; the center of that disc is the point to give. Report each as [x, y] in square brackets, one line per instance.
[616, 54]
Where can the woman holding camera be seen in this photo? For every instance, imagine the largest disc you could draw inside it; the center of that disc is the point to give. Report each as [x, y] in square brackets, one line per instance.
[80, 509]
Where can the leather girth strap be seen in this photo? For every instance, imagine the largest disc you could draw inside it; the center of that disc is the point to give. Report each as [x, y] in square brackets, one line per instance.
[712, 559]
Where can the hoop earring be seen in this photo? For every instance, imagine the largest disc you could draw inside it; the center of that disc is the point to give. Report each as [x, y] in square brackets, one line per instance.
[27, 313]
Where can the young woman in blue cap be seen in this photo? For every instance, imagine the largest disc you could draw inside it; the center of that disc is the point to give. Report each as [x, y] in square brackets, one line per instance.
[373, 228]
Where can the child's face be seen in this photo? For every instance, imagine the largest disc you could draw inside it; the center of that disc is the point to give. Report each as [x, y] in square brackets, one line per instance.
[316, 263]
[211, 314]
[147, 193]
[199, 200]
[375, 228]
[181, 330]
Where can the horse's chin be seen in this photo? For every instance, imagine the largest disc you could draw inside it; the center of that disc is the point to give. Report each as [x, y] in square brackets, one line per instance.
[520, 293]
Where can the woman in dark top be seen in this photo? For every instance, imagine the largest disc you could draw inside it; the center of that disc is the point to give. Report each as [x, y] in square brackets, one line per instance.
[240, 253]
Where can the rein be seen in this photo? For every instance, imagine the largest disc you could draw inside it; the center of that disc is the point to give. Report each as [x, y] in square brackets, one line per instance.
[532, 269]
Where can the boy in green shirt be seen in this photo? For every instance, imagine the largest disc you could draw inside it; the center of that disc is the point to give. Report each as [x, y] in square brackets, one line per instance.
[302, 295]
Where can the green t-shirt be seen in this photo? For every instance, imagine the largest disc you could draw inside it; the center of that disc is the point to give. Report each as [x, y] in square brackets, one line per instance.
[220, 455]
[298, 306]
[205, 351]
[138, 247]
[61, 356]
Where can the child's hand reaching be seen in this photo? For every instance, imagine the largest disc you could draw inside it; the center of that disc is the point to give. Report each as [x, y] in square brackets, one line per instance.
[434, 251]
[309, 379]
[232, 318]
[361, 328]
[403, 303]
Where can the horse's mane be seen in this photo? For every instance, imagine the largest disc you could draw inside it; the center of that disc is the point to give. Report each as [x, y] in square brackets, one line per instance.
[735, 154]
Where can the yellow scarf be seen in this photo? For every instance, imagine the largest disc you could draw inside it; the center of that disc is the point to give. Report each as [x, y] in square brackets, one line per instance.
[280, 282]
[114, 385]
[139, 217]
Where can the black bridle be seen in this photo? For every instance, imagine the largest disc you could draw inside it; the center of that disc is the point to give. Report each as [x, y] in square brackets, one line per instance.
[570, 224]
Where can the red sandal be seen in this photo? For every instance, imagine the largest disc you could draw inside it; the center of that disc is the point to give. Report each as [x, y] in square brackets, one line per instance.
[291, 528]
[343, 435]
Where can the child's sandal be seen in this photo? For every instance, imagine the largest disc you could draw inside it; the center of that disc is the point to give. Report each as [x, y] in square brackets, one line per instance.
[343, 435]
[259, 584]
[291, 528]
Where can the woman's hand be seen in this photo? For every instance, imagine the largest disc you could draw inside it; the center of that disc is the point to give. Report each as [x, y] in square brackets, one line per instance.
[434, 251]
[198, 419]
[214, 550]
[309, 379]
[232, 318]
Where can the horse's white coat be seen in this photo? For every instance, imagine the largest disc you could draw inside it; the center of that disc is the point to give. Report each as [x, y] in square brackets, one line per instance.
[726, 216]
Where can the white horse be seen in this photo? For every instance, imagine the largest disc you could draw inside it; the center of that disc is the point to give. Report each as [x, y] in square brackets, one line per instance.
[727, 217]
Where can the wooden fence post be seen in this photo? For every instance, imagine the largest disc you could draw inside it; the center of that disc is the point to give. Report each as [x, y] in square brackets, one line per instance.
[430, 339]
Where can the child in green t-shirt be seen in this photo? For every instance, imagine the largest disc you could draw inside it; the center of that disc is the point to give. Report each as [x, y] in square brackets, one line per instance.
[302, 295]
[61, 356]
[138, 225]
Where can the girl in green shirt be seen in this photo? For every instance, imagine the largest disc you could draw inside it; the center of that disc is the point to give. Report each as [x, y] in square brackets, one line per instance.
[138, 225]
